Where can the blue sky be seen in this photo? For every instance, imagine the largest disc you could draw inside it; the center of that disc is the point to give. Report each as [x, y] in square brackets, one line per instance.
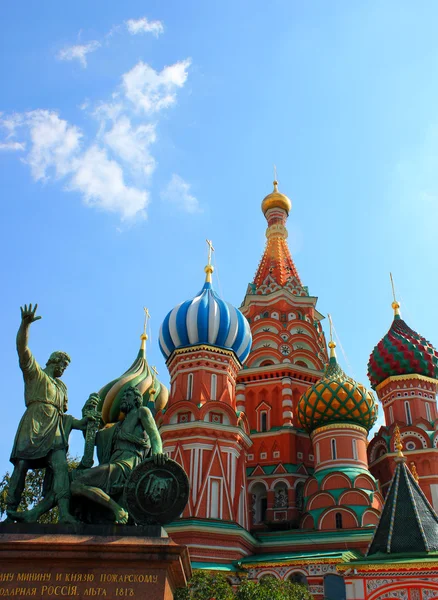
[130, 132]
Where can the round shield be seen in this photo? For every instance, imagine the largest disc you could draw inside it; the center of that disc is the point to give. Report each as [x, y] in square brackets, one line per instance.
[156, 493]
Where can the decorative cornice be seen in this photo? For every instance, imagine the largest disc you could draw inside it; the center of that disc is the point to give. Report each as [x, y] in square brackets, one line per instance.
[338, 426]
[405, 378]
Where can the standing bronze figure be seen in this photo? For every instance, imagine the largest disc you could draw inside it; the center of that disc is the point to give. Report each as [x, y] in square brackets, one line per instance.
[42, 437]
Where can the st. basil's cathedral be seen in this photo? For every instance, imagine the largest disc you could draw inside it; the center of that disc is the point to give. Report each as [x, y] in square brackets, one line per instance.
[274, 438]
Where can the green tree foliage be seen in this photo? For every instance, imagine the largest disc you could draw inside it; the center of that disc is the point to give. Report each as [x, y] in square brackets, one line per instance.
[33, 491]
[205, 586]
[214, 586]
[270, 588]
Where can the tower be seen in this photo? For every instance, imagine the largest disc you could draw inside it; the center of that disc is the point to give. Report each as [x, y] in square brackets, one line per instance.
[287, 356]
[338, 412]
[205, 341]
[403, 371]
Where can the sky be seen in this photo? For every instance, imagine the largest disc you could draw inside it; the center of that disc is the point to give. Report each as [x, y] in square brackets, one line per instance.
[132, 131]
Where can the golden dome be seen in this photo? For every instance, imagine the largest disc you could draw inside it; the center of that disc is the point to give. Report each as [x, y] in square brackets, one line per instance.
[276, 200]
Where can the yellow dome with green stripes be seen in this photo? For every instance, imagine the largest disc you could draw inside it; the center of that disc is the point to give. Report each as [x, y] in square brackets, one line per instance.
[336, 398]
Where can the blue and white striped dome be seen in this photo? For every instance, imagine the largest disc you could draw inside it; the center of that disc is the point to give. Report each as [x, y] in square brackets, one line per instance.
[207, 319]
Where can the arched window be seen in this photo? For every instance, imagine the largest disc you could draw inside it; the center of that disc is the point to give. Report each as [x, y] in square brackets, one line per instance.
[318, 458]
[338, 520]
[297, 577]
[428, 415]
[334, 587]
[354, 442]
[190, 386]
[408, 413]
[263, 421]
[391, 415]
[299, 496]
[263, 508]
[333, 444]
[213, 389]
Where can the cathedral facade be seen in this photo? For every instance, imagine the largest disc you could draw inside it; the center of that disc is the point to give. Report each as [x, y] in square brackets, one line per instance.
[274, 438]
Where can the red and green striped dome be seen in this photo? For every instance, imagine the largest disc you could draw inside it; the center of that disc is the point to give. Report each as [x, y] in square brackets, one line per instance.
[336, 398]
[401, 352]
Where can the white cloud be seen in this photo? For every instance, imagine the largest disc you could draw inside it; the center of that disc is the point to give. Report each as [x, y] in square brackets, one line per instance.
[178, 193]
[142, 25]
[132, 144]
[55, 143]
[102, 184]
[14, 146]
[79, 52]
[151, 90]
[111, 169]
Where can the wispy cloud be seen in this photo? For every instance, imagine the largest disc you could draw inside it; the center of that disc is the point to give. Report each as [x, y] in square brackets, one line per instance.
[12, 146]
[112, 169]
[177, 192]
[143, 25]
[79, 52]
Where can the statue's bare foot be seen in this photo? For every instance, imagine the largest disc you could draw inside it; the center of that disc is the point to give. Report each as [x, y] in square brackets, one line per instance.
[68, 519]
[121, 516]
[19, 516]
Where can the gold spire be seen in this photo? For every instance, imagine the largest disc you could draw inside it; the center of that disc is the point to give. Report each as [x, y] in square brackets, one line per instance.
[398, 445]
[209, 267]
[275, 182]
[332, 343]
[415, 472]
[395, 305]
[144, 336]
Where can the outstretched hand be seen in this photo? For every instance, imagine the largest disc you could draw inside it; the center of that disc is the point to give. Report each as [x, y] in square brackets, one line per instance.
[28, 314]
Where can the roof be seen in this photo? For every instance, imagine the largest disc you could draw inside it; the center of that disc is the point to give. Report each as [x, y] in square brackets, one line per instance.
[408, 523]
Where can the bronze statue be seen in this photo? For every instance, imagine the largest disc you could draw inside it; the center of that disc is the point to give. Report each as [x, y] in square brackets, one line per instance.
[120, 448]
[42, 437]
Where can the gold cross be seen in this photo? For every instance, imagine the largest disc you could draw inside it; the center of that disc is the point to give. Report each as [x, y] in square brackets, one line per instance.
[393, 287]
[331, 327]
[275, 173]
[154, 369]
[210, 250]
[147, 316]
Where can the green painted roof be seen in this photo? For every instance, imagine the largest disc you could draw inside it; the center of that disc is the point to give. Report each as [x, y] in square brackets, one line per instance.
[344, 555]
[215, 566]
[408, 522]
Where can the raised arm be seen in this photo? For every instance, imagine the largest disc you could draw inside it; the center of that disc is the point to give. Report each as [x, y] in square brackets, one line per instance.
[27, 317]
[148, 422]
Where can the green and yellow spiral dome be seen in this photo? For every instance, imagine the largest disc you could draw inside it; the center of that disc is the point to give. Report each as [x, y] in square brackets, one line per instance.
[336, 398]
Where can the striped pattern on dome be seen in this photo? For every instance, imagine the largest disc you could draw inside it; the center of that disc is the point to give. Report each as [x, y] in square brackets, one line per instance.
[138, 375]
[402, 351]
[206, 319]
[336, 398]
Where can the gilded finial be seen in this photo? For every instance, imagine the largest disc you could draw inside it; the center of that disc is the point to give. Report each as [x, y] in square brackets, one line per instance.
[275, 179]
[209, 267]
[332, 343]
[144, 335]
[415, 472]
[398, 445]
[395, 304]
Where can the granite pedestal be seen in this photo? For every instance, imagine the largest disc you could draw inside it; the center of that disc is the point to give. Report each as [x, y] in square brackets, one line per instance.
[75, 562]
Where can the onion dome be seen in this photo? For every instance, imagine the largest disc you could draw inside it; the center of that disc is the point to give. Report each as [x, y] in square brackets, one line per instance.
[139, 375]
[276, 200]
[206, 319]
[402, 351]
[336, 398]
